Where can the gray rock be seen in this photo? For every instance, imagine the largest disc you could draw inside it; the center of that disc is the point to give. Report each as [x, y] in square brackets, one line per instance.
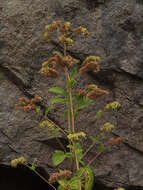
[116, 29]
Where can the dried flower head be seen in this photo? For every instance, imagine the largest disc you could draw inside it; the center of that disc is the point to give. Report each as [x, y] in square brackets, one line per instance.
[76, 136]
[49, 72]
[107, 127]
[115, 141]
[61, 175]
[96, 93]
[80, 92]
[112, 106]
[17, 161]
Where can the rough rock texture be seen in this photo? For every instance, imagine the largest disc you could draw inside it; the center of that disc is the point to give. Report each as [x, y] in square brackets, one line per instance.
[116, 29]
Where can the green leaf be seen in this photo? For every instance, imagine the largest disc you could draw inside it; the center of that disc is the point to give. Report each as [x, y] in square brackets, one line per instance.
[88, 175]
[71, 83]
[57, 100]
[58, 157]
[95, 139]
[100, 148]
[69, 155]
[53, 132]
[98, 114]
[57, 90]
[48, 109]
[74, 73]
[74, 183]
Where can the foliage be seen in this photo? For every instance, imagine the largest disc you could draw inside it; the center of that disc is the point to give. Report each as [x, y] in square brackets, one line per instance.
[82, 176]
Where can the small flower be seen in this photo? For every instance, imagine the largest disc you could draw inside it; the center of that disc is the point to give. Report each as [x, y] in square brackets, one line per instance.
[96, 93]
[112, 106]
[107, 127]
[115, 141]
[17, 161]
[76, 136]
[61, 175]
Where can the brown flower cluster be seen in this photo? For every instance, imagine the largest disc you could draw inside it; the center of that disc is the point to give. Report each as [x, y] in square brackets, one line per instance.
[91, 91]
[91, 63]
[57, 176]
[96, 93]
[48, 67]
[115, 141]
[49, 72]
[28, 104]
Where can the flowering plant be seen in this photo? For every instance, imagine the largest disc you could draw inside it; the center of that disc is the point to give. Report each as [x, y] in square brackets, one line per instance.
[80, 176]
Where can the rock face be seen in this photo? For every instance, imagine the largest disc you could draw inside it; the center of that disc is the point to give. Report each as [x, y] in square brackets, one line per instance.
[116, 29]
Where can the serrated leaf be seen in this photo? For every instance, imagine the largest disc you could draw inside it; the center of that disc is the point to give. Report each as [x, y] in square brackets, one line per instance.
[58, 157]
[57, 100]
[61, 187]
[57, 90]
[99, 114]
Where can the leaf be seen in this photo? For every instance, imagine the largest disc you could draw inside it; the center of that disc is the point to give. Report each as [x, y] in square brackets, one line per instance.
[95, 139]
[57, 100]
[74, 183]
[98, 114]
[74, 73]
[57, 90]
[69, 155]
[54, 131]
[88, 175]
[71, 83]
[100, 148]
[58, 157]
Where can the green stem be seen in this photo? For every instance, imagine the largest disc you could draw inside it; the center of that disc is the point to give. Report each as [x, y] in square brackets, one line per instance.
[89, 148]
[93, 159]
[61, 144]
[42, 177]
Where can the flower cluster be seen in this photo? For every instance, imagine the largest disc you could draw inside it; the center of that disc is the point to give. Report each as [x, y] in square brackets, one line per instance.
[112, 106]
[48, 67]
[28, 104]
[115, 141]
[107, 127]
[17, 161]
[76, 136]
[47, 124]
[61, 175]
[81, 30]
[91, 63]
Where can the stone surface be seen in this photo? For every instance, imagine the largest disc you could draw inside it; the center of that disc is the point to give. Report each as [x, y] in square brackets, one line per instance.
[116, 29]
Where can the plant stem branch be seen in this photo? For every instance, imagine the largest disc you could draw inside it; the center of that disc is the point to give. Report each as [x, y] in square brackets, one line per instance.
[94, 158]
